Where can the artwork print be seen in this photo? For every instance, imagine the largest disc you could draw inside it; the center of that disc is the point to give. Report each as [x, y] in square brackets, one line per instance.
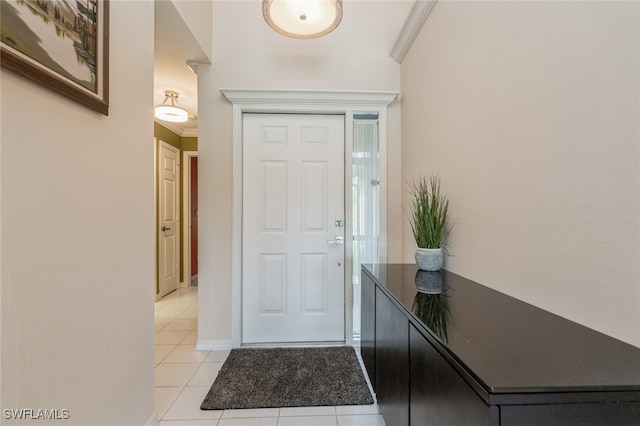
[61, 44]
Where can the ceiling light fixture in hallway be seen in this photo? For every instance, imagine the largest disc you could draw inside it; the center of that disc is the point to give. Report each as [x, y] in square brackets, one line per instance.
[170, 110]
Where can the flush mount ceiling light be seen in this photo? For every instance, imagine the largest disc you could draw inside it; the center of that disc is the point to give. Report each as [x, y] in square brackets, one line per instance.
[170, 110]
[302, 18]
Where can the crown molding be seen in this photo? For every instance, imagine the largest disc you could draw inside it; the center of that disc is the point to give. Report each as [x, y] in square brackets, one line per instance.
[190, 133]
[183, 133]
[416, 18]
[193, 66]
[255, 100]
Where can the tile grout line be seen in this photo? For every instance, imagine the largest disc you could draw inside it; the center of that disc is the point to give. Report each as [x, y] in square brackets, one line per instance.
[220, 419]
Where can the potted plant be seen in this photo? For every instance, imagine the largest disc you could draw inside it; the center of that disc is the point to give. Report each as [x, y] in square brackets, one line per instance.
[429, 221]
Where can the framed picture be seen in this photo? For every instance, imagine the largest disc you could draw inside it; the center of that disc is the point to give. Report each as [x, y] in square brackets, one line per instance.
[62, 45]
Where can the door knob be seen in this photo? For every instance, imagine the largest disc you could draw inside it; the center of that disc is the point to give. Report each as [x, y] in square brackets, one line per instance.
[338, 240]
[164, 228]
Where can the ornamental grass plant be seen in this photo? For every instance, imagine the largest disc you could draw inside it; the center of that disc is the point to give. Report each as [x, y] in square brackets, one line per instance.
[428, 215]
[433, 310]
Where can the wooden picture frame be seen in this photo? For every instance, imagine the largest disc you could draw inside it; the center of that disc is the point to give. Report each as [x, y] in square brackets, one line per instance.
[62, 47]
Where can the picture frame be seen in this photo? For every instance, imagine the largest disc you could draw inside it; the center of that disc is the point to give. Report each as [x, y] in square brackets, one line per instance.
[63, 46]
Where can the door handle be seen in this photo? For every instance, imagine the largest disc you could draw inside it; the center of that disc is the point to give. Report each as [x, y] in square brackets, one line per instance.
[164, 228]
[338, 240]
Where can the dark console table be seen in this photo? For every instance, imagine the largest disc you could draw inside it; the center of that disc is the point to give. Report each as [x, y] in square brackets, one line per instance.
[472, 356]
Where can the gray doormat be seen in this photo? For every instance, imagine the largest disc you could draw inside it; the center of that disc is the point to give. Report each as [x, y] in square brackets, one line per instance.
[288, 377]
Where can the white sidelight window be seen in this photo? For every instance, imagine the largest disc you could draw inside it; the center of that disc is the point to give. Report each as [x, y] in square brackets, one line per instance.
[366, 202]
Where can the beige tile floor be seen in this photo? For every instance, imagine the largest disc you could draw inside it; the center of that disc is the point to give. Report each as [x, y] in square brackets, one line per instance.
[183, 377]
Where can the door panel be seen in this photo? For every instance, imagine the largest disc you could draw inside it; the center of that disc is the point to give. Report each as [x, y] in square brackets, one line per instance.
[274, 202]
[273, 284]
[314, 283]
[169, 219]
[293, 192]
[314, 196]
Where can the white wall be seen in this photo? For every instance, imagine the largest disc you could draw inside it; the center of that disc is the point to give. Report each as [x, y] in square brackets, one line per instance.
[77, 240]
[529, 112]
[197, 16]
[249, 54]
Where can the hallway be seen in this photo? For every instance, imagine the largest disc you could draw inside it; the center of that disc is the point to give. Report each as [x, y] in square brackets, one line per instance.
[183, 377]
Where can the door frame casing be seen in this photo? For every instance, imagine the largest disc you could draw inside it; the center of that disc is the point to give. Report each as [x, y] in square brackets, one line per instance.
[310, 102]
[186, 216]
[156, 221]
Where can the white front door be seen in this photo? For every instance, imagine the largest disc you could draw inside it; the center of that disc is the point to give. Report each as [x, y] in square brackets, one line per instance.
[293, 216]
[168, 212]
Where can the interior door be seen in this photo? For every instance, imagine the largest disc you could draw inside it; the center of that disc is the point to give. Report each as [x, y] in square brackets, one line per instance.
[293, 236]
[168, 212]
[193, 209]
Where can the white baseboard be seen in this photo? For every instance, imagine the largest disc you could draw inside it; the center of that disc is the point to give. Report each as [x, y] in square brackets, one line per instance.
[214, 345]
[153, 421]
